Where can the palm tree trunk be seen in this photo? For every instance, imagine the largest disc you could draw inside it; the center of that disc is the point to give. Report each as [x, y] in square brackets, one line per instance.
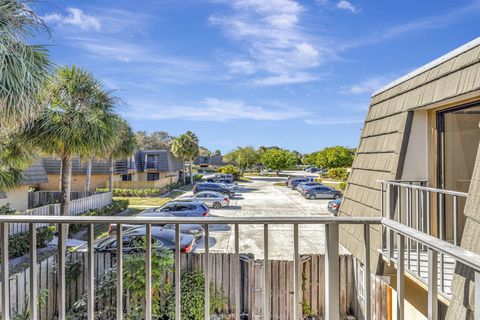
[65, 185]
[88, 176]
[191, 177]
[184, 173]
[110, 178]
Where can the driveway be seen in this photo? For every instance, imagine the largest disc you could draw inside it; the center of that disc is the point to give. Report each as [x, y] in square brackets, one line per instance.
[262, 198]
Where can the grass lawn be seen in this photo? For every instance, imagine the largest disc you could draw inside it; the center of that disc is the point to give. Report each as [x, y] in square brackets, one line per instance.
[148, 202]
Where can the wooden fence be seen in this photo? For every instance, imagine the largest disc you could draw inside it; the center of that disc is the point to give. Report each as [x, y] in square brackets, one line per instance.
[157, 184]
[77, 207]
[222, 278]
[42, 198]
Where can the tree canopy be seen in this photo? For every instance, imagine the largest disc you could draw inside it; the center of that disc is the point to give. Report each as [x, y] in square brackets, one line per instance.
[278, 159]
[243, 157]
[157, 140]
[331, 157]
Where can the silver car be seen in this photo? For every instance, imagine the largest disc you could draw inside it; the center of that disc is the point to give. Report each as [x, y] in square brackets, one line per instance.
[210, 198]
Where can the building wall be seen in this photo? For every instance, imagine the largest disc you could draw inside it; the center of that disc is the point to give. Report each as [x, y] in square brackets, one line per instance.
[17, 198]
[78, 182]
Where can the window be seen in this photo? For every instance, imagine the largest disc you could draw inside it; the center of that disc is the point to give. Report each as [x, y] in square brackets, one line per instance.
[153, 176]
[127, 177]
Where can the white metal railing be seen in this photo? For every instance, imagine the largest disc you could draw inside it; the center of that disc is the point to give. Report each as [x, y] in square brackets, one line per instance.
[332, 299]
[412, 204]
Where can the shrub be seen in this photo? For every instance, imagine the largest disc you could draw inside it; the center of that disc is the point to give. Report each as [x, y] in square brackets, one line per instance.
[113, 209]
[229, 169]
[342, 186]
[7, 210]
[153, 192]
[19, 244]
[196, 177]
[338, 174]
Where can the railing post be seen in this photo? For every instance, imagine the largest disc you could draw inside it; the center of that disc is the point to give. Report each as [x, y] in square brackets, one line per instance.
[441, 231]
[148, 273]
[366, 239]
[455, 221]
[332, 299]
[477, 295]
[91, 273]
[119, 272]
[432, 284]
[382, 210]
[207, 272]
[61, 294]
[296, 275]
[390, 211]
[5, 272]
[178, 290]
[400, 276]
[33, 272]
[266, 275]
[237, 272]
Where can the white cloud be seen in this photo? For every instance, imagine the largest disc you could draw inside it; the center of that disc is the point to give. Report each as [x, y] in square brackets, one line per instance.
[216, 110]
[335, 121]
[345, 5]
[76, 17]
[275, 44]
[286, 79]
[367, 86]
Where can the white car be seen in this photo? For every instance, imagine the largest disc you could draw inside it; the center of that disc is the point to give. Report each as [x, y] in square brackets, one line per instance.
[210, 198]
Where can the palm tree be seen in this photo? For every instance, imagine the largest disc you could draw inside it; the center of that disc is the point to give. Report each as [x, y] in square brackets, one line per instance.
[74, 123]
[23, 70]
[124, 146]
[192, 150]
[179, 151]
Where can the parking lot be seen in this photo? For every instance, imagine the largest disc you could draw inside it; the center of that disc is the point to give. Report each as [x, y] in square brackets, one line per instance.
[262, 198]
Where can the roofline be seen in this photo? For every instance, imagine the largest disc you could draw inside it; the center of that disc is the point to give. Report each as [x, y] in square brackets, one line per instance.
[452, 54]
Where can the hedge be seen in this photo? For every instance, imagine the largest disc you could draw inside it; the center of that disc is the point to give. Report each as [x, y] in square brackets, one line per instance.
[154, 192]
[113, 209]
[19, 244]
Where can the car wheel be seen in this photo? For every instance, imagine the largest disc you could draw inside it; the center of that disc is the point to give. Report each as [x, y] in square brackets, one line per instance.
[337, 196]
[217, 205]
[312, 197]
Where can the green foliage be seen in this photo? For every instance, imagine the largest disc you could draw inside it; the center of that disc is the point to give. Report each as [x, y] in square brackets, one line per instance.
[7, 210]
[229, 169]
[19, 244]
[113, 209]
[244, 158]
[154, 192]
[157, 140]
[196, 177]
[342, 186]
[278, 159]
[331, 157]
[338, 174]
[193, 298]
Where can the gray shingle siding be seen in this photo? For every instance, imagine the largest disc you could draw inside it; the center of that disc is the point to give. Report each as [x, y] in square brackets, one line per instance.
[34, 174]
[209, 160]
[52, 166]
[165, 161]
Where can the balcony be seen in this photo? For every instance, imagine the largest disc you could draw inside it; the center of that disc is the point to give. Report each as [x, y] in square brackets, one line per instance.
[152, 165]
[403, 233]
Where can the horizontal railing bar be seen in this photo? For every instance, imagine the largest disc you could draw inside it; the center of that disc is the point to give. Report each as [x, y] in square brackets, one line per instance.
[189, 220]
[466, 257]
[430, 189]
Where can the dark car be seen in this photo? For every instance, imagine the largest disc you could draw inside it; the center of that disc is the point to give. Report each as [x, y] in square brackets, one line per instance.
[209, 186]
[183, 209]
[161, 238]
[194, 230]
[303, 185]
[334, 205]
[321, 192]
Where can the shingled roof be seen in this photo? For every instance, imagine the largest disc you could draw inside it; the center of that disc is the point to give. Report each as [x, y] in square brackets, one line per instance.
[385, 134]
[210, 160]
[52, 166]
[34, 174]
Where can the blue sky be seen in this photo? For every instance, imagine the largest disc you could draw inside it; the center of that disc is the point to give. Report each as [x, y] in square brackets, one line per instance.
[296, 74]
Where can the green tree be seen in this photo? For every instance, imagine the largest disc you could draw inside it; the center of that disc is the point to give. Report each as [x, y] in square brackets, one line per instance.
[23, 70]
[335, 157]
[204, 152]
[157, 140]
[75, 123]
[243, 157]
[185, 147]
[278, 159]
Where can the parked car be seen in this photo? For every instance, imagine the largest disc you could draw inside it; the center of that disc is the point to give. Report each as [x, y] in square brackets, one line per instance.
[293, 183]
[212, 199]
[209, 186]
[161, 238]
[195, 230]
[225, 176]
[302, 185]
[321, 192]
[183, 209]
[334, 205]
